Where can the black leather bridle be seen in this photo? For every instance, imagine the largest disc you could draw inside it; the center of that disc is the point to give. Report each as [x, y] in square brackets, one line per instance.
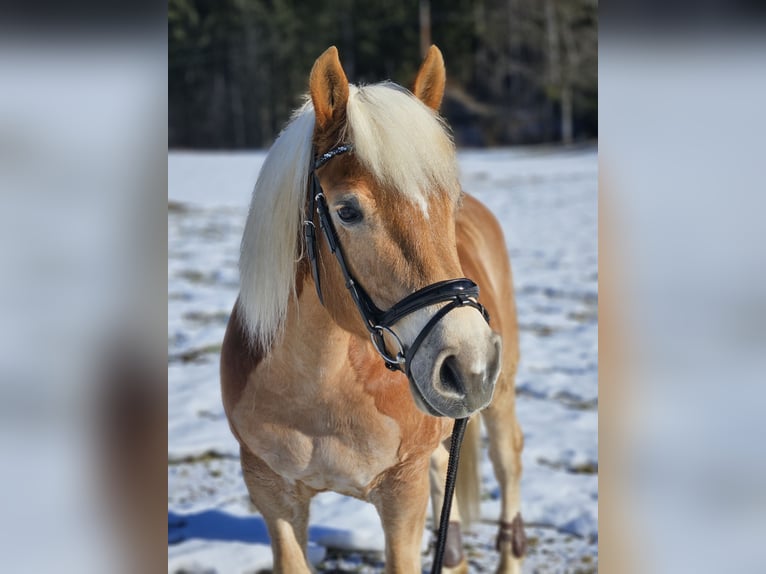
[454, 292]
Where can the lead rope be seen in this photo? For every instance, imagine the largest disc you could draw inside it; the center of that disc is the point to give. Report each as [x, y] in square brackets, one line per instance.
[449, 489]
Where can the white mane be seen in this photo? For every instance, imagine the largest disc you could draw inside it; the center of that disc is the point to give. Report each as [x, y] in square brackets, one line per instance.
[402, 142]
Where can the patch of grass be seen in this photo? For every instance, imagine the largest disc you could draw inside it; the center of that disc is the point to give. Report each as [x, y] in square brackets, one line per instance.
[588, 467]
[588, 316]
[177, 207]
[193, 276]
[206, 456]
[195, 355]
[573, 402]
[204, 318]
[584, 468]
[538, 329]
[178, 296]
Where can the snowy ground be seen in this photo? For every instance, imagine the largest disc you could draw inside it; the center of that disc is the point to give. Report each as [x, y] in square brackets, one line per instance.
[546, 201]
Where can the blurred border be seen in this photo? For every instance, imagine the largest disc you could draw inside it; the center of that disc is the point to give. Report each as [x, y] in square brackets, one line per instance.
[681, 287]
[83, 248]
[681, 116]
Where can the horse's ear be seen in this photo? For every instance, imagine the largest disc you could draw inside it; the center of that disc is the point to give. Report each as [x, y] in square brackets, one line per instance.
[329, 88]
[430, 81]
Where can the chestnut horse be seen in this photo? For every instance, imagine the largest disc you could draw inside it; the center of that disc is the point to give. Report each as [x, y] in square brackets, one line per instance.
[305, 391]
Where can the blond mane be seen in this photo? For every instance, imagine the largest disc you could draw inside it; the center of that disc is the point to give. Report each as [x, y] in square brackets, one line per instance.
[403, 143]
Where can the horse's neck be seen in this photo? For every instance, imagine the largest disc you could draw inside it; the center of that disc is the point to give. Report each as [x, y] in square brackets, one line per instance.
[312, 342]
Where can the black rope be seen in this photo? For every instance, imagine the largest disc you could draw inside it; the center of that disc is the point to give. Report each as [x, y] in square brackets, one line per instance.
[449, 489]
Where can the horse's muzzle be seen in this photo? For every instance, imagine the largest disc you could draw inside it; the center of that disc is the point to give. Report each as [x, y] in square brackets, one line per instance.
[459, 379]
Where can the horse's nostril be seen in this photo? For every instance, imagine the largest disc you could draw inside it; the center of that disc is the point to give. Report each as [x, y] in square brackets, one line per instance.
[449, 376]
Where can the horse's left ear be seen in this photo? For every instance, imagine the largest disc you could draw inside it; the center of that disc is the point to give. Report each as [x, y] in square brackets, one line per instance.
[329, 88]
[430, 81]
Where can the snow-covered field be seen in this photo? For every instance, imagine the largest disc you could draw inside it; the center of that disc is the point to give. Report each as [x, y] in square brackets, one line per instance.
[546, 200]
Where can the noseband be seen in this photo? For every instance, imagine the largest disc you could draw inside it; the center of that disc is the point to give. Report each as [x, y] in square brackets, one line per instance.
[454, 292]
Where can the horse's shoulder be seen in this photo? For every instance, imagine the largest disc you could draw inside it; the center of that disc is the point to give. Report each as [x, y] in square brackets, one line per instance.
[239, 357]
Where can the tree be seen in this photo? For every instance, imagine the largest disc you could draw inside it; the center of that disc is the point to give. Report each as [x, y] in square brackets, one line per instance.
[519, 71]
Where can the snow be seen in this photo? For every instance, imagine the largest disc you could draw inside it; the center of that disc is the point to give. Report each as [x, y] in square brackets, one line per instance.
[546, 200]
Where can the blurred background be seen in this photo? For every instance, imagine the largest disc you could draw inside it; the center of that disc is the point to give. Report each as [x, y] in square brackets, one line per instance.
[519, 71]
[85, 279]
[521, 100]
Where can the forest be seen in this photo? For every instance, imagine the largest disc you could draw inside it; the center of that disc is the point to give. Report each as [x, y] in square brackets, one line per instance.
[519, 71]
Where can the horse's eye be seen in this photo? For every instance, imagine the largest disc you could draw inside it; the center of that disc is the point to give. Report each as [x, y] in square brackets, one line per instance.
[349, 214]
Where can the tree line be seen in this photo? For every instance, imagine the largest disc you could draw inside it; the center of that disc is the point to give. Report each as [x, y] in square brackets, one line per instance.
[519, 71]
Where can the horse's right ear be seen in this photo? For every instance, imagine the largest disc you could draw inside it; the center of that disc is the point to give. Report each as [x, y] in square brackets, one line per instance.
[329, 88]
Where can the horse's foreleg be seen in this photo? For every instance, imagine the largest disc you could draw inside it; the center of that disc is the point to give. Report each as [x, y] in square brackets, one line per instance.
[401, 500]
[454, 559]
[505, 445]
[285, 508]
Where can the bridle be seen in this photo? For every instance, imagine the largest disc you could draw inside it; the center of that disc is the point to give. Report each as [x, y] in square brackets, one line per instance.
[454, 292]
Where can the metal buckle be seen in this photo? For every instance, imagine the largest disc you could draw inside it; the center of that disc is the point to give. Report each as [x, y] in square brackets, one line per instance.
[378, 332]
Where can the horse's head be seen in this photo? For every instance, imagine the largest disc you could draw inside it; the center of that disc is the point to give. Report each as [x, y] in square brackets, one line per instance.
[393, 201]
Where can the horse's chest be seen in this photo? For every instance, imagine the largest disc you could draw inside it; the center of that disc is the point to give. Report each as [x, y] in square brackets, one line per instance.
[331, 462]
[340, 444]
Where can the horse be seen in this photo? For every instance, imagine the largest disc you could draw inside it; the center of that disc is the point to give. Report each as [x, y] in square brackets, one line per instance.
[353, 255]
